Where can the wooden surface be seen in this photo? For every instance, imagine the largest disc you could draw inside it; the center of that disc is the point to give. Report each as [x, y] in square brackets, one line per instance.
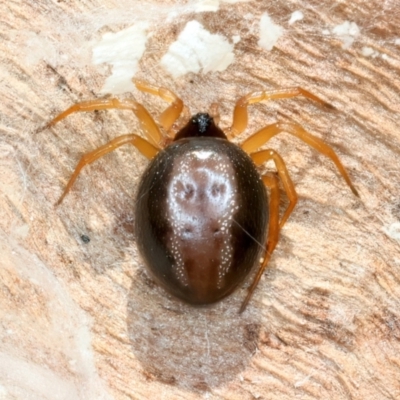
[84, 320]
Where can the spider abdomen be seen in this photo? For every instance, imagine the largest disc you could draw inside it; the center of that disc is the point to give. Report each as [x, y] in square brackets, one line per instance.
[201, 218]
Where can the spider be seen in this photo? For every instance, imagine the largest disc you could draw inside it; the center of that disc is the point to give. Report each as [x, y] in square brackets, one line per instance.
[202, 211]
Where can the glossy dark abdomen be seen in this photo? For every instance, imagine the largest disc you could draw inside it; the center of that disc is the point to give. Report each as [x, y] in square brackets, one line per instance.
[201, 218]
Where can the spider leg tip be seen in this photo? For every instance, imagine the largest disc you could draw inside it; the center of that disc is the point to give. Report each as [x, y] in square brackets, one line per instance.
[355, 192]
[42, 128]
[329, 106]
[59, 201]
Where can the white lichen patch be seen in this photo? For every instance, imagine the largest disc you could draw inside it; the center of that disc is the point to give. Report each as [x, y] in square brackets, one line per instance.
[346, 33]
[197, 50]
[386, 57]
[236, 39]
[212, 5]
[393, 230]
[206, 5]
[123, 51]
[369, 52]
[269, 32]
[296, 16]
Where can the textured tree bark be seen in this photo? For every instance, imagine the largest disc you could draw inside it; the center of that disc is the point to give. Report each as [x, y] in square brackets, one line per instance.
[82, 319]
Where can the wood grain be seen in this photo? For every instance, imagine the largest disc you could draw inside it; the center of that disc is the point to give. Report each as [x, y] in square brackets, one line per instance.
[84, 320]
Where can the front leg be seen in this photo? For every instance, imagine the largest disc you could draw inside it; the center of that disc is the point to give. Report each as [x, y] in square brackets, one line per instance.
[172, 113]
[240, 118]
[147, 123]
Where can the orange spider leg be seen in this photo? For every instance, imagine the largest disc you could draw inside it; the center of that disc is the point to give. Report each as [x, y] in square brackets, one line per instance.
[265, 155]
[240, 116]
[270, 181]
[263, 135]
[214, 113]
[147, 123]
[172, 113]
[146, 148]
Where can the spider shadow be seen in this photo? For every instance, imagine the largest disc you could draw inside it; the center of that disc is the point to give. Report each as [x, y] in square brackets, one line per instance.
[193, 348]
